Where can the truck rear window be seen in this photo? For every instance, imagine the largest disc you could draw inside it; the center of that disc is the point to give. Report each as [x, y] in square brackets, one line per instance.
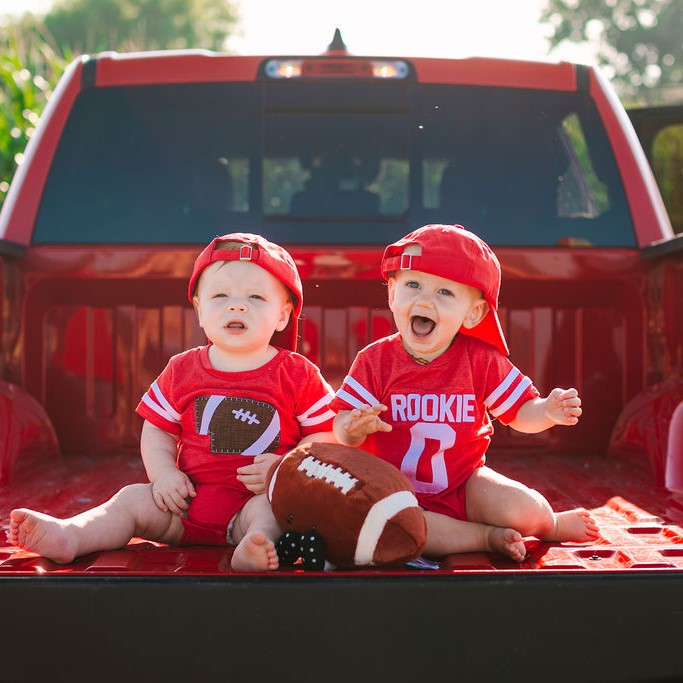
[349, 162]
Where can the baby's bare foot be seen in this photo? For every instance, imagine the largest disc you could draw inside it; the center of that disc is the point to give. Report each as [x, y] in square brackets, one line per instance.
[42, 534]
[507, 542]
[255, 552]
[574, 525]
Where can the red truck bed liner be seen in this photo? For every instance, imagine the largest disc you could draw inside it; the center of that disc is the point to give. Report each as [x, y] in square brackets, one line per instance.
[640, 529]
[180, 614]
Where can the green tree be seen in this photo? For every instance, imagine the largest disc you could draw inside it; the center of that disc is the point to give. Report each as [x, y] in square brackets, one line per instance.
[88, 26]
[639, 43]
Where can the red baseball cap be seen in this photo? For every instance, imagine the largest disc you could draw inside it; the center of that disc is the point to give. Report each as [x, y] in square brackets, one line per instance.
[452, 252]
[271, 257]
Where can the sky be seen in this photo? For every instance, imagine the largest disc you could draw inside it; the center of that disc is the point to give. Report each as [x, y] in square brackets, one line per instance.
[423, 28]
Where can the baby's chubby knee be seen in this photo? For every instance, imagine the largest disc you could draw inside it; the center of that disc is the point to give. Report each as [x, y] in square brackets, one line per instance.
[134, 496]
[135, 504]
[531, 514]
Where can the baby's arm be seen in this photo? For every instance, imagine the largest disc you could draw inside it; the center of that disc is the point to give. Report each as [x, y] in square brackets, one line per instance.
[559, 407]
[352, 426]
[170, 486]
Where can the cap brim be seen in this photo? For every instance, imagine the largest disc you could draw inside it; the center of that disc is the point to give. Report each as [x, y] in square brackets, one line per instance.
[289, 337]
[489, 331]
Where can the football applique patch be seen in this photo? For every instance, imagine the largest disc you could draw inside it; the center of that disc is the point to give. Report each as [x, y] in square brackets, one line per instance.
[238, 425]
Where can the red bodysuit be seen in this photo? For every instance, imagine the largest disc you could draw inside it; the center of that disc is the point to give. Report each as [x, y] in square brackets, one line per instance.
[223, 419]
[439, 412]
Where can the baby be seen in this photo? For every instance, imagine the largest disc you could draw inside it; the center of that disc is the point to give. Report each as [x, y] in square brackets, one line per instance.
[421, 399]
[215, 419]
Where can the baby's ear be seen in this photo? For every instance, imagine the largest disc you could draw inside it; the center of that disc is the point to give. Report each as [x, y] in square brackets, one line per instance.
[197, 309]
[391, 285]
[284, 316]
[476, 314]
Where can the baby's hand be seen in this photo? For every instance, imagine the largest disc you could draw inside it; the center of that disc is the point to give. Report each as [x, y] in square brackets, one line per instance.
[254, 476]
[170, 490]
[361, 422]
[563, 406]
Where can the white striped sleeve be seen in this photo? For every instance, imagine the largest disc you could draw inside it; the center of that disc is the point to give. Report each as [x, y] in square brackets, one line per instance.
[502, 387]
[157, 402]
[325, 400]
[323, 417]
[512, 398]
[319, 412]
[351, 400]
[360, 396]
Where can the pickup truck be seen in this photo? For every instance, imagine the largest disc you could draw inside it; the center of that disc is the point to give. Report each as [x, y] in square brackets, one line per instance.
[139, 160]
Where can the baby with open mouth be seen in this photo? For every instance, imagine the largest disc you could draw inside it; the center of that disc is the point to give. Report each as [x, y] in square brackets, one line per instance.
[424, 399]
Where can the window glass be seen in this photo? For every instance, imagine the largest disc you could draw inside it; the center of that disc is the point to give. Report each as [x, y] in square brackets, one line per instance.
[153, 164]
[580, 192]
[519, 167]
[328, 162]
[667, 164]
[238, 170]
[283, 178]
[432, 177]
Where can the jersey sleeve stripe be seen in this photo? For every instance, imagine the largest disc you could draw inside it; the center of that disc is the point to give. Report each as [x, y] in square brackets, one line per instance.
[323, 417]
[351, 400]
[364, 394]
[324, 401]
[163, 402]
[502, 387]
[153, 405]
[512, 399]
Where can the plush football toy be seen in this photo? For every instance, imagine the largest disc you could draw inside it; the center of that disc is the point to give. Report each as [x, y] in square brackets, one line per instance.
[363, 508]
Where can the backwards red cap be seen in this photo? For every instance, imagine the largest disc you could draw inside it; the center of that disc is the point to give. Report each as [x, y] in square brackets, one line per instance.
[457, 254]
[271, 257]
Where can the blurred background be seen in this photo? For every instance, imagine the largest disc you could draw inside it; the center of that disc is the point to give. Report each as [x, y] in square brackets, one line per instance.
[638, 44]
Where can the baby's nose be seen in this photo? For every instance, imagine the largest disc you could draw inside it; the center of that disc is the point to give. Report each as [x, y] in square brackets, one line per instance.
[237, 306]
[425, 299]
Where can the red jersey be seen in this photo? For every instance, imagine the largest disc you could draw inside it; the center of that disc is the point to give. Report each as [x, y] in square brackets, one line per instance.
[224, 419]
[439, 412]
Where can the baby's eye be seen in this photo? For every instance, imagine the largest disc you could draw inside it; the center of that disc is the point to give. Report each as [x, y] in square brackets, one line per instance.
[256, 296]
[445, 292]
[412, 284]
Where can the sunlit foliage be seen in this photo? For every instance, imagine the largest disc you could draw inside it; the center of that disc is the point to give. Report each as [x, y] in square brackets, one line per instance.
[639, 43]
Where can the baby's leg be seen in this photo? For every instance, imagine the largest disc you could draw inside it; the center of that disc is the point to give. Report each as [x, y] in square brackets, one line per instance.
[495, 499]
[254, 533]
[130, 512]
[446, 535]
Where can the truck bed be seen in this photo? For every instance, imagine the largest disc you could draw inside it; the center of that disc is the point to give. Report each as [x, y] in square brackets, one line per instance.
[559, 615]
[572, 318]
[641, 525]
[468, 606]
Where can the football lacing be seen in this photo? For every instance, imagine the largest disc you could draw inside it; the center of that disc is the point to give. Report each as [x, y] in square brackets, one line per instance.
[336, 476]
